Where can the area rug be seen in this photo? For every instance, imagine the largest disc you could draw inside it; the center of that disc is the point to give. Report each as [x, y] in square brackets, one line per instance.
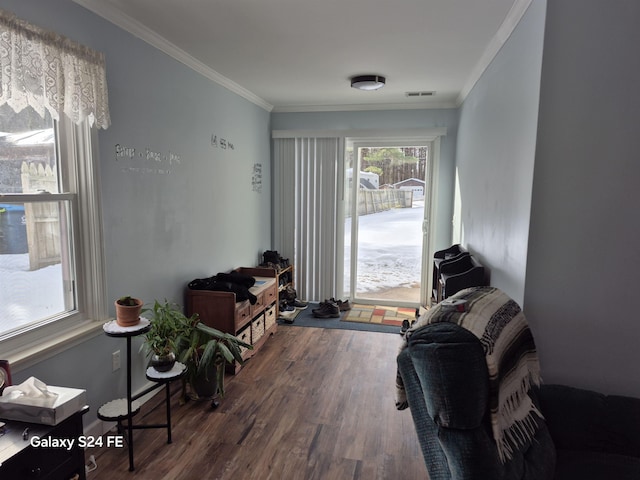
[305, 318]
[379, 314]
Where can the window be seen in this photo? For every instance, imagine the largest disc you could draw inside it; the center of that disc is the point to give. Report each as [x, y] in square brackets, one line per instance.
[51, 262]
[36, 234]
[51, 275]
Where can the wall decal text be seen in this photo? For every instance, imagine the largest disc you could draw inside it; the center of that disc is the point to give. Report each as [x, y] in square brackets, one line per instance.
[256, 178]
[146, 160]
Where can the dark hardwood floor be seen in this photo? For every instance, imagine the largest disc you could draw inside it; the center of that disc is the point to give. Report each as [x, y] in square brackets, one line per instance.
[312, 404]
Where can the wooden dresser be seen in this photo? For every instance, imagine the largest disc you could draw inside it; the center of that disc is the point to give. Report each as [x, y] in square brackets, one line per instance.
[252, 324]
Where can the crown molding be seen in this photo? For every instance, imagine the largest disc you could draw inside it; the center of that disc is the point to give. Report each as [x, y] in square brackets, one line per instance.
[383, 135]
[363, 107]
[144, 33]
[509, 24]
[149, 36]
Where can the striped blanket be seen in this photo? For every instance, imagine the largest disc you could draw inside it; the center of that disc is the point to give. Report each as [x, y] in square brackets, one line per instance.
[511, 356]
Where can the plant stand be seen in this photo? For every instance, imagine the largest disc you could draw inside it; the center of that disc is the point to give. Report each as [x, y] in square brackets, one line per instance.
[124, 409]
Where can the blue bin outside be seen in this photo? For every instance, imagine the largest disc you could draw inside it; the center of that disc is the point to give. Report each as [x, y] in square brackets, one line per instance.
[13, 229]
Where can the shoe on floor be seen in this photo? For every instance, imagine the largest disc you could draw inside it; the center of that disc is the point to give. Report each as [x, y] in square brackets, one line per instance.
[405, 326]
[327, 310]
[299, 304]
[342, 305]
[320, 306]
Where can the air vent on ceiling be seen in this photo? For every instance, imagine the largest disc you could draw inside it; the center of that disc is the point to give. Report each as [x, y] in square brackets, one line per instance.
[420, 94]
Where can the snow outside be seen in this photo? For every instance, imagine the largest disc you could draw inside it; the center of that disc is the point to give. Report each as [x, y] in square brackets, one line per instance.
[389, 259]
[389, 254]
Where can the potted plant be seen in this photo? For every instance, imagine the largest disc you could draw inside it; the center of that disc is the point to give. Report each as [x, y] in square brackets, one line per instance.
[128, 311]
[205, 351]
[202, 349]
[167, 323]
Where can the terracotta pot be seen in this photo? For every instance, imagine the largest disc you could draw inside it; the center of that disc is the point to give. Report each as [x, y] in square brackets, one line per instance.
[128, 316]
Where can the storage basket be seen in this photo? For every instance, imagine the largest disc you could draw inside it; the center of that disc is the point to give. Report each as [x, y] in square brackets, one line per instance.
[245, 336]
[269, 317]
[257, 328]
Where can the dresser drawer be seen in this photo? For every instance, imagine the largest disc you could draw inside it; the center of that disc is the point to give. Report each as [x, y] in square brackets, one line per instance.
[270, 295]
[258, 307]
[243, 314]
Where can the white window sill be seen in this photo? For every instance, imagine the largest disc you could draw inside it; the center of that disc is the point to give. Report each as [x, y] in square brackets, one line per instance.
[28, 356]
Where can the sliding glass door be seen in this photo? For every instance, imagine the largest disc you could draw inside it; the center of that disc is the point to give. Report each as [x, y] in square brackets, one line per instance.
[386, 218]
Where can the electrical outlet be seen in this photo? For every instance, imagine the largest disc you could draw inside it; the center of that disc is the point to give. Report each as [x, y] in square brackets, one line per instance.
[115, 360]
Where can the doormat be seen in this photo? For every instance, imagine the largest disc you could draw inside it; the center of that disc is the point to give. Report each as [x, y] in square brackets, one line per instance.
[378, 314]
[305, 318]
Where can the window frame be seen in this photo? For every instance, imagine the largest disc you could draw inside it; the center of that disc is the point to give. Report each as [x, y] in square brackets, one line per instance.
[77, 150]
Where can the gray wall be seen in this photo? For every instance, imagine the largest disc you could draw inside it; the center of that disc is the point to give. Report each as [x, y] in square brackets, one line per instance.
[579, 261]
[495, 155]
[167, 220]
[583, 262]
[397, 121]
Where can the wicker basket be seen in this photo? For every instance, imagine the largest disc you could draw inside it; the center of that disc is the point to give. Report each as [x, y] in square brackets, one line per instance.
[269, 317]
[245, 336]
[257, 328]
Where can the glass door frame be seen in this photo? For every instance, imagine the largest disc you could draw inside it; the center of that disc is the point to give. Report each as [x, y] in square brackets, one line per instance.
[433, 153]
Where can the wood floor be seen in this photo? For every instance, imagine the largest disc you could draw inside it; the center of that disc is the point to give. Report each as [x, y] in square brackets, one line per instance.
[312, 404]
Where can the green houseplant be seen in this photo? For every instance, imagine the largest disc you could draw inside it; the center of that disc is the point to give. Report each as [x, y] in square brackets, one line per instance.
[202, 349]
[206, 351]
[160, 341]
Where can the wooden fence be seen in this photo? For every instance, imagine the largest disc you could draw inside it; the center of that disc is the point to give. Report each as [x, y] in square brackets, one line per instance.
[374, 201]
[42, 219]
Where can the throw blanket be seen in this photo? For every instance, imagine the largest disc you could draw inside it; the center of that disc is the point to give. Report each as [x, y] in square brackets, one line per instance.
[512, 361]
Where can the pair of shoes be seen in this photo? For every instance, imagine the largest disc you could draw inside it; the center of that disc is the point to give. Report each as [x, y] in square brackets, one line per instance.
[285, 307]
[275, 266]
[272, 256]
[299, 304]
[406, 325]
[295, 304]
[327, 309]
[342, 305]
[322, 305]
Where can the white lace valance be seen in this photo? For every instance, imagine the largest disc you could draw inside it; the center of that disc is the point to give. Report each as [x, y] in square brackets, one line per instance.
[47, 71]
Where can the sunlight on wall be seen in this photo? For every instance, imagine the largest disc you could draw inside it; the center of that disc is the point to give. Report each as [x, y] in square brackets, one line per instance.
[457, 229]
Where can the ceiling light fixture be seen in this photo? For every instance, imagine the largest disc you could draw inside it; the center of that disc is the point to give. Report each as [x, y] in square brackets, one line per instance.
[368, 82]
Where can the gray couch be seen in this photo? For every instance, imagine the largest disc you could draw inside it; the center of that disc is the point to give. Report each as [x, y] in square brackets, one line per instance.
[585, 435]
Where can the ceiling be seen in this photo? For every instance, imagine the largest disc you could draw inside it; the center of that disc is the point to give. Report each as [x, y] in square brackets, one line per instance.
[298, 55]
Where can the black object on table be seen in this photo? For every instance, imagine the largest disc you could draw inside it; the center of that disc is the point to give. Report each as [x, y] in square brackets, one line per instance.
[22, 455]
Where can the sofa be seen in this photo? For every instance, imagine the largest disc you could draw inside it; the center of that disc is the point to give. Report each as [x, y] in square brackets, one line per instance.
[595, 435]
[584, 435]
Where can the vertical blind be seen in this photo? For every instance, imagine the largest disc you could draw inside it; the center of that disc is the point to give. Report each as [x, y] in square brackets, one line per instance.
[305, 211]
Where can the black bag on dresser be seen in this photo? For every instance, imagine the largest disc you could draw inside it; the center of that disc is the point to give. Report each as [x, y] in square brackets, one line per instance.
[227, 282]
